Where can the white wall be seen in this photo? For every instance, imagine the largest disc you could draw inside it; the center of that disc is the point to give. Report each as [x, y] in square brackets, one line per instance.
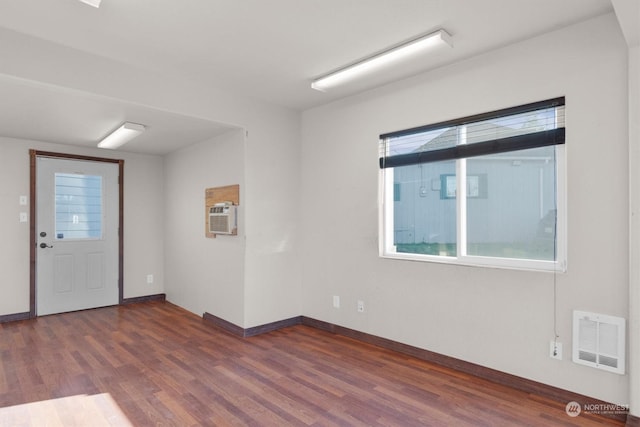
[143, 224]
[204, 274]
[502, 319]
[634, 232]
[143, 205]
[254, 278]
[14, 247]
[273, 269]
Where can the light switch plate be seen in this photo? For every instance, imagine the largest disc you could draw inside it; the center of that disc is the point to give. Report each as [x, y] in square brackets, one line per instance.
[336, 301]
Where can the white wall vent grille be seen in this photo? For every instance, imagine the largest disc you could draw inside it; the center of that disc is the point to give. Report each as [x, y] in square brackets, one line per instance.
[599, 341]
[223, 219]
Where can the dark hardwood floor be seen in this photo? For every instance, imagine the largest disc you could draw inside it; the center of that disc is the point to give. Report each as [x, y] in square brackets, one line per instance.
[164, 366]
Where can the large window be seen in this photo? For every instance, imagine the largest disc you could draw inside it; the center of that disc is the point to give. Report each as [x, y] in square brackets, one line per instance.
[480, 190]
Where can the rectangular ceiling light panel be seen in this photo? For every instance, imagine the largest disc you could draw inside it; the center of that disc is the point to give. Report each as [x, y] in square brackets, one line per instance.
[94, 3]
[405, 50]
[122, 135]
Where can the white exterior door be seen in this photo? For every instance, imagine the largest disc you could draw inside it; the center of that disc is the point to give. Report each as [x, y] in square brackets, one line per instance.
[77, 235]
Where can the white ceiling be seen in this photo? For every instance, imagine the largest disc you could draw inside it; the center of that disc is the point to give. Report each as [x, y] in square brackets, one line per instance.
[46, 113]
[269, 50]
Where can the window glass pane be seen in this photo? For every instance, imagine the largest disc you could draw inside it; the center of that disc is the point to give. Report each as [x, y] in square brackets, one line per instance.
[424, 219]
[514, 125]
[78, 206]
[420, 142]
[474, 132]
[511, 205]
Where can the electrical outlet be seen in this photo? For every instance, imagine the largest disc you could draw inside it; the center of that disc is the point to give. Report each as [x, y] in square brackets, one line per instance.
[555, 350]
[360, 306]
[149, 279]
[336, 301]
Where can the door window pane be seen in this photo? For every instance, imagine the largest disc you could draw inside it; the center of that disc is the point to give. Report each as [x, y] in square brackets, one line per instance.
[78, 206]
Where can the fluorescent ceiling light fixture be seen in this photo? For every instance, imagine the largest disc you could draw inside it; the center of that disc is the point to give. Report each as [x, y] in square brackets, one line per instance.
[94, 3]
[401, 51]
[122, 135]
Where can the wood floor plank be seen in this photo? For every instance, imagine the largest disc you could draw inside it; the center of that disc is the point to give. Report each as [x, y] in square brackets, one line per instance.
[155, 364]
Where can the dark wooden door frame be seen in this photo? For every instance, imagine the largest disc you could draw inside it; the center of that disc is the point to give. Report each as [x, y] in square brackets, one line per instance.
[33, 155]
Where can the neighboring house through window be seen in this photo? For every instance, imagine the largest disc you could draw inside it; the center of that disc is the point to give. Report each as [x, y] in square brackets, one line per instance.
[481, 190]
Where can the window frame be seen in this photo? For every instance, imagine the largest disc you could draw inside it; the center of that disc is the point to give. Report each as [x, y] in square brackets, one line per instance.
[386, 211]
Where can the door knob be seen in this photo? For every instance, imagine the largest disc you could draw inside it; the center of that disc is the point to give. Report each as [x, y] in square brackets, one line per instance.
[44, 245]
